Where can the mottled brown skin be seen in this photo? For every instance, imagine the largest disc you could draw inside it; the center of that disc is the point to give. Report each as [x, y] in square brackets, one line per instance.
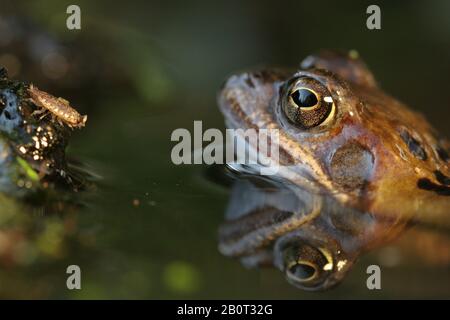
[372, 156]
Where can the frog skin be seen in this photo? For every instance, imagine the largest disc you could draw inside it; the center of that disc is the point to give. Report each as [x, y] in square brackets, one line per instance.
[358, 165]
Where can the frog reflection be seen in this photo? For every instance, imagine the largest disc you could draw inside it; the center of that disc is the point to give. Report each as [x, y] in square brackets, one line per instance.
[360, 166]
[313, 240]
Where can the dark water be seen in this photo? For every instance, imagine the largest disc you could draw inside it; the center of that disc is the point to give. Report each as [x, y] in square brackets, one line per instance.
[142, 70]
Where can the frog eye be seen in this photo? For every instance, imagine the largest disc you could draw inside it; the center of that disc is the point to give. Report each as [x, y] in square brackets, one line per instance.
[308, 103]
[306, 266]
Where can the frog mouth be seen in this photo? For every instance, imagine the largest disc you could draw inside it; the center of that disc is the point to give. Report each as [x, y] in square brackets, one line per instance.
[281, 167]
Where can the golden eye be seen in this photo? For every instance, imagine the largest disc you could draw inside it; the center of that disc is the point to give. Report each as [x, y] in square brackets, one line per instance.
[308, 103]
[305, 266]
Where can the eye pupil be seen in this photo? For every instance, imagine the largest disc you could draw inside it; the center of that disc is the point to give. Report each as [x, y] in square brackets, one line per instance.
[302, 271]
[304, 98]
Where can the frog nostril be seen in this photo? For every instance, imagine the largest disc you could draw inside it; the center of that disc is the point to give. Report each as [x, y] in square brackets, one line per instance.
[249, 81]
[414, 145]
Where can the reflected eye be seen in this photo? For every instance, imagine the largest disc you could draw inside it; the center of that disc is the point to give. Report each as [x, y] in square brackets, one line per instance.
[308, 103]
[306, 266]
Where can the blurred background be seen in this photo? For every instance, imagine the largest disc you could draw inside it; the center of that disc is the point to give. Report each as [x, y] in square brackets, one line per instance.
[142, 69]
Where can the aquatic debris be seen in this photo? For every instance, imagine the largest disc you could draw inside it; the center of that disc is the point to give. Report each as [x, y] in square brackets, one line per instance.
[32, 146]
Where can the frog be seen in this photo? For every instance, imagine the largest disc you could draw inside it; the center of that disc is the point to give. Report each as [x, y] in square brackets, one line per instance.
[357, 168]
